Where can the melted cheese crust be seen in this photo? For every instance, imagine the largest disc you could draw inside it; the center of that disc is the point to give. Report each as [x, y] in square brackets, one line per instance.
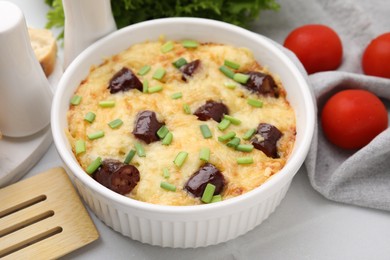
[207, 83]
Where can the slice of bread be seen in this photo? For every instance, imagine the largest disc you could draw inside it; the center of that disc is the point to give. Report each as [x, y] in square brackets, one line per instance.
[45, 48]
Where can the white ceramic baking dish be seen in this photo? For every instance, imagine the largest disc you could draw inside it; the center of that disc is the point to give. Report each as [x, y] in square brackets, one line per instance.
[186, 226]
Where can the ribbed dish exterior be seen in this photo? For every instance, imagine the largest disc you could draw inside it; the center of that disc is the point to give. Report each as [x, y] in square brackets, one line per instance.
[179, 233]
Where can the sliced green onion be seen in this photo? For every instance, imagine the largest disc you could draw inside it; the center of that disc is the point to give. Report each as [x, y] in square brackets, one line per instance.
[232, 120]
[90, 117]
[244, 160]
[205, 131]
[254, 102]
[140, 150]
[216, 198]
[80, 146]
[177, 95]
[230, 85]
[167, 139]
[190, 44]
[244, 148]
[155, 89]
[94, 165]
[159, 73]
[180, 159]
[76, 100]
[144, 70]
[107, 103]
[223, 124]
[234, 142]
[179, 63]
[226, 137]
[167, 186]
[145, 86]
[208, 193]
[249, 134]
[241, 78]
[130, 156]
[186, 109]
[167, 47]
[225, 70]
[162, 132]
[204, 154]
[95, 135]
[115, 123]
[166, 173]
[231, 64]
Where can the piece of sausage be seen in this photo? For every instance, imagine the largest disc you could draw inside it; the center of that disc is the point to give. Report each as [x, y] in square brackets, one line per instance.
[124, 179]
[211, 109]
[124, 80]
[117, 176]
[269, 138]
[189, 69]
[146, 126]
[262, 84]
[208, 173]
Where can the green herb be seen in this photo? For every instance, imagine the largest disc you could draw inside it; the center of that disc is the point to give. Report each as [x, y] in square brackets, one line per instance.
[244, 160]
[177, 95]
[90, 117]
[186, 109]
[140, 150]
[94, 165]
[223, 124]
[249, 134]
[216, 198]
[130, 156]
[167, 186]
[205, 131]
[159, 73]
[226, 137]
[107, 103]
[145, 86]
[145, 69]
[95, 135]
[234, 142]
[179, 63]
[208, 193]
[244, 148]
[232, 120]
[225, 70]
[254, 102]
[167, 47]
[231, 64]
[80, 147]
[75, 100]
[115, 123]
[180, 159]
[162, 132]
[155, 89]
[167, 139]
[166, 173]
[241, 78]
[128, 12]
[190, 44]
[204, 154]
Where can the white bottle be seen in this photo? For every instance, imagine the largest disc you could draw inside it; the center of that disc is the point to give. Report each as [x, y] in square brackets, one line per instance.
[85, 22]
[25, 93]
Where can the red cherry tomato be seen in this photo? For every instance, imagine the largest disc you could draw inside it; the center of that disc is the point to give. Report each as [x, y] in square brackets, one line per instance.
[352, 118]
[317, 46]
[376, 57]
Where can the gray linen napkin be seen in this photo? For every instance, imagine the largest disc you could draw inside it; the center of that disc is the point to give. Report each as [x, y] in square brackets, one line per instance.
[360, 177]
